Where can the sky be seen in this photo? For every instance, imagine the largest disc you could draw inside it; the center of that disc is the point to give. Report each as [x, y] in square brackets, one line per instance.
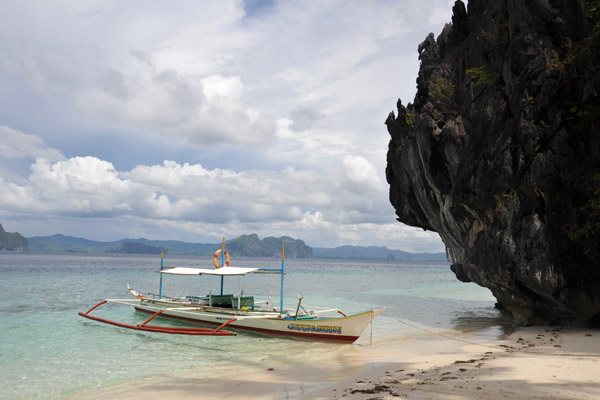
[194, 120]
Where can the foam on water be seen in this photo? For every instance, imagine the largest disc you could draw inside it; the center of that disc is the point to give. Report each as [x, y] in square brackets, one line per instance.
[48, 351]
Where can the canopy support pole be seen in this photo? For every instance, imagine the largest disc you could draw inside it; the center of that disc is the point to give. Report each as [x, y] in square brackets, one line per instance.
[282, 275]
[222, 263]
[162, 257]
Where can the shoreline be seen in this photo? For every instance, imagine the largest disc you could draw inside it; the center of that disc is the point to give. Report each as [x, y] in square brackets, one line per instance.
[533, 363]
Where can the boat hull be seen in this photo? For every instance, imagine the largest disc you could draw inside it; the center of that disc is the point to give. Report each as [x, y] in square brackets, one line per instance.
[344, 329]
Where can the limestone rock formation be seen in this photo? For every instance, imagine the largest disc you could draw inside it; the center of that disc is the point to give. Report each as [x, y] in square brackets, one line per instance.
[252, 246]
[12, 241]
[500, 153]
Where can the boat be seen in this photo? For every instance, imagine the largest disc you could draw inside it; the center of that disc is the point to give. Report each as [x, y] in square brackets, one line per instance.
[232, 313]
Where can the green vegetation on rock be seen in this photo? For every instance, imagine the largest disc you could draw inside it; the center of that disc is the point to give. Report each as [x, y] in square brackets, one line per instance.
[482, 77]
[443, 93]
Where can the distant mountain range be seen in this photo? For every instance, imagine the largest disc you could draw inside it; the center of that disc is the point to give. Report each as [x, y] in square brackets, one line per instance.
[243, 246]
[374, 253]
[69, 244]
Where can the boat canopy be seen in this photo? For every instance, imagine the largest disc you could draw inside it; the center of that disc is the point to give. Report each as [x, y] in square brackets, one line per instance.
[224, 271]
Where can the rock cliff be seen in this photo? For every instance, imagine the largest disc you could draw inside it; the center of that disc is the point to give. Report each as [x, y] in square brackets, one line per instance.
[12, 241]
[500, 153]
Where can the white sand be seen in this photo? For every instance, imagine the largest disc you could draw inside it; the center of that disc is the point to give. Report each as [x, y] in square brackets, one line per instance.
[531, 363]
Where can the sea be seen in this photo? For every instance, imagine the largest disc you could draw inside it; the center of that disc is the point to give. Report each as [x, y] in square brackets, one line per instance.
[47, 351]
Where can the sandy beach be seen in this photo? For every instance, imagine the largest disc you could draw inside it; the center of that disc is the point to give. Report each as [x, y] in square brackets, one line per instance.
[529, 363]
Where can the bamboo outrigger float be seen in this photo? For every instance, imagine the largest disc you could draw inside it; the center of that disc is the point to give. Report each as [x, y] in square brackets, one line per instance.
[240, 313]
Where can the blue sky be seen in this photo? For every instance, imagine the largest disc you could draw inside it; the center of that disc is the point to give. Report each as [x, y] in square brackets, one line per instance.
[198, 119]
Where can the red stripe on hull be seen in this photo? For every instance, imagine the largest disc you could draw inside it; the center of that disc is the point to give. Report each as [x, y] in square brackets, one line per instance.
[340, 338]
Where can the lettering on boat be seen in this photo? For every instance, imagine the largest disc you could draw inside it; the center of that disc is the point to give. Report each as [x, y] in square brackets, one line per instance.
[314, 328]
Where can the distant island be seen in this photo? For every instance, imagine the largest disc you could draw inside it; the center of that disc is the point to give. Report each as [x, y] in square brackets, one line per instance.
[244, 246]
[12, 241]
[136, 248]
[374, 253]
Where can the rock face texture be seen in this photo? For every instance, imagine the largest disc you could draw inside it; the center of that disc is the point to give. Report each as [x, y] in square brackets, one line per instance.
[500, 150]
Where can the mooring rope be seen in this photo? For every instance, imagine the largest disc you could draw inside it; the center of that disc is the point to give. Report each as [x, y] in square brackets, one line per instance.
[371, 323]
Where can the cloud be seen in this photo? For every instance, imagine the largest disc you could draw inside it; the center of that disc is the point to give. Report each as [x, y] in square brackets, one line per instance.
[15, 144]
[155, 70]
[303, 118]
[133, 77]
[360, 171]
[201, 111]
[81, 186]
[304, 203]
[224, 92]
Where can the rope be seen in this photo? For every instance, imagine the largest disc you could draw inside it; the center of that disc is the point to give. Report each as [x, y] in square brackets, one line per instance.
[496, 347]
[371, 338]
[445, 336]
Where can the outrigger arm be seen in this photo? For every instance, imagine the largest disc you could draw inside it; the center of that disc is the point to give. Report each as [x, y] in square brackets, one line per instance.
[162, 329]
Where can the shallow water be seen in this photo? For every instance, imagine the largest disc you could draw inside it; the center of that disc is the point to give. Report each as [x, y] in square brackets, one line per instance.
[47, 351]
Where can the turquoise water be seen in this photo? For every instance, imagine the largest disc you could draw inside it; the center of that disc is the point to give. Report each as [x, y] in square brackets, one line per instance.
[47, 351]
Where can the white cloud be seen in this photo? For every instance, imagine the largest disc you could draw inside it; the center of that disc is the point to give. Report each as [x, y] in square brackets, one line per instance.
[16, 198]
[208, 110]
[15, 144]
[304, 203]
[224, 92]
[85, 175]
[78, 186]
[360, 171]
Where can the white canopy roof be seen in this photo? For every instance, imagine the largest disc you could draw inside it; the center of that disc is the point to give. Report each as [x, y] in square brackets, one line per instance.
[224, 271]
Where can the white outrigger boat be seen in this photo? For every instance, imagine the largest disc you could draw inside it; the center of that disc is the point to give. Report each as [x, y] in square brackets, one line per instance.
[241, 312]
